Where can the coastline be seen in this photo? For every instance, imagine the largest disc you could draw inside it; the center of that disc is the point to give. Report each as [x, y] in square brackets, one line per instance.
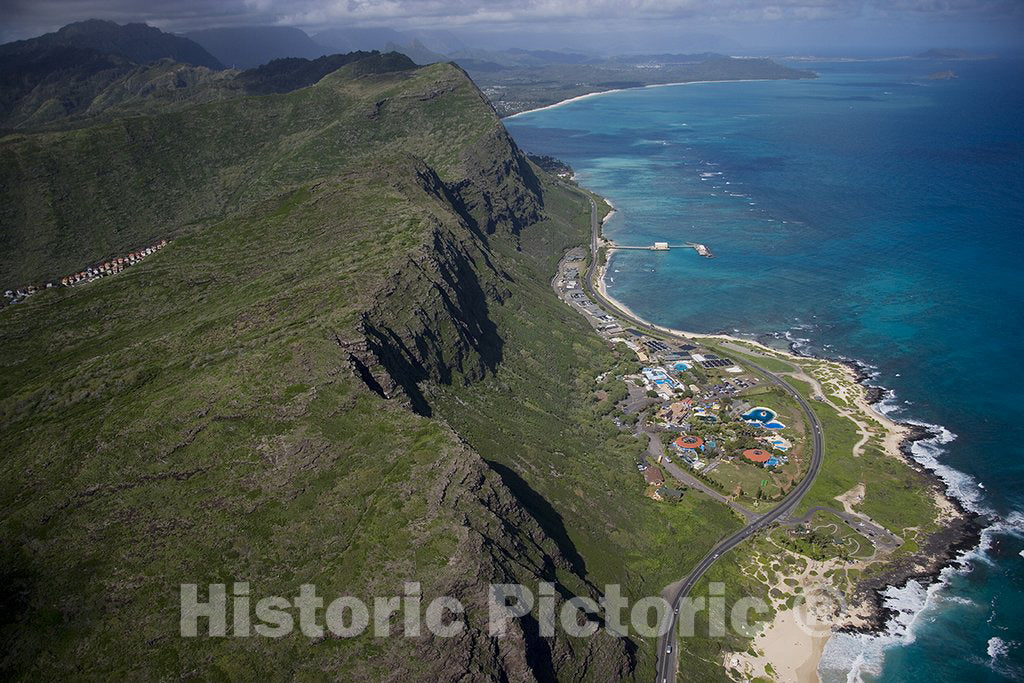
[639, 87]
[945, 550]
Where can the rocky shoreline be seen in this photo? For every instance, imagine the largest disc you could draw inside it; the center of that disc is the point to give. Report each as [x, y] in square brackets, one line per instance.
[942, 549]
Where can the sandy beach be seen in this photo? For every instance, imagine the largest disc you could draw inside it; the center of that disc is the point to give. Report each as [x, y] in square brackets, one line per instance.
[789, 647]
[791, 653]
[608, 92]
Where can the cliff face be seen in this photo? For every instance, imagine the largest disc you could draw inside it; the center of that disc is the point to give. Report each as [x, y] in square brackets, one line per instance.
[431, 320]
[73, 197]
[259, 402]
[501, 542]
[501, 190]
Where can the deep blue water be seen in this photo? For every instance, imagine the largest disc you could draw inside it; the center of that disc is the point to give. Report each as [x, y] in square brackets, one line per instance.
[872, 214]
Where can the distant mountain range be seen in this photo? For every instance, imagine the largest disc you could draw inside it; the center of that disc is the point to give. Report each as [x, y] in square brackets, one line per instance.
[244, 47]
[96, 70]
[139, 43]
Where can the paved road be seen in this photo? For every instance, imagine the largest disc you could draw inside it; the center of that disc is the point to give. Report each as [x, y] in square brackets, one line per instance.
[667, 662]
[881, 538]
[656, 449]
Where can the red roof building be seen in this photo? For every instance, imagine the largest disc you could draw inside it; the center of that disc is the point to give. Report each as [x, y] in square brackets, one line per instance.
[757, 455]
[694, 442]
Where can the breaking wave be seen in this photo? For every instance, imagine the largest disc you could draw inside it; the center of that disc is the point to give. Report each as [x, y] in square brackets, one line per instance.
[851, 656]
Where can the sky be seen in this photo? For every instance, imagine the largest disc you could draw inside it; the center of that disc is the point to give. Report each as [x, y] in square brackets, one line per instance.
[734, 26]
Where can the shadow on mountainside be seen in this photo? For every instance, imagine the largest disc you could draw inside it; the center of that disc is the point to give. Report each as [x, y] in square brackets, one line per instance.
[545, 515]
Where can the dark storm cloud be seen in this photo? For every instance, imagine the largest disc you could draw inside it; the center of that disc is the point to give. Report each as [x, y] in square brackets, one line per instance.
[28, 17]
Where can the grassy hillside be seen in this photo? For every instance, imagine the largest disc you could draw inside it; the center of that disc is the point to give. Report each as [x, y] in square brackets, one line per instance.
[347, 369]
[73, 197]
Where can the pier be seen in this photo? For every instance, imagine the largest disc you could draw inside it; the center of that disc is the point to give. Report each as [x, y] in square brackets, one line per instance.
[701, 249]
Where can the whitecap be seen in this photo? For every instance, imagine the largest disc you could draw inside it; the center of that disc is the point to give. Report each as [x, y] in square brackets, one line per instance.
[959, 485]
[856, 654]
[997, 647]
[958, 600]
[997, 650]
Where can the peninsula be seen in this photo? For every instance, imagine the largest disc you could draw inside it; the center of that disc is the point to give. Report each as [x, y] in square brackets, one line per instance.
[515, 88]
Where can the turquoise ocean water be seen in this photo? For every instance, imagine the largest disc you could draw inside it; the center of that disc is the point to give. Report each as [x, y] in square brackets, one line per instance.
[871, 214]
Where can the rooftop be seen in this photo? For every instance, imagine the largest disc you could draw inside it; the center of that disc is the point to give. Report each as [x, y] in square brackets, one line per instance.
[757, 455]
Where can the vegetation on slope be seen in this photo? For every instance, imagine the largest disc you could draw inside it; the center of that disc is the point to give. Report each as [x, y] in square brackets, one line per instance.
[347, 369]
[73, 197]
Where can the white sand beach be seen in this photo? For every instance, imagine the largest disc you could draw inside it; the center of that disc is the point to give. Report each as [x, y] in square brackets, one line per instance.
[608, 92]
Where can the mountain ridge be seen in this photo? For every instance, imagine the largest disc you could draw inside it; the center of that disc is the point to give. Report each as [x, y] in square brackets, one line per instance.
[246, 47]
[140, 43]
[346, 368]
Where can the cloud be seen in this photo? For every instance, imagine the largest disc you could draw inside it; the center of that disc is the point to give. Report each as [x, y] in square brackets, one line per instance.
[29, 17]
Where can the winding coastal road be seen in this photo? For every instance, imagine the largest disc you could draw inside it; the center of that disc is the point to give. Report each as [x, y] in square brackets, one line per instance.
[667, 661]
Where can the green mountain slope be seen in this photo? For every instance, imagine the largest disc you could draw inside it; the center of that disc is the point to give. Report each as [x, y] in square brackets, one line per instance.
[79, 87]
[347, 369]
[139, 43]
[73, 197]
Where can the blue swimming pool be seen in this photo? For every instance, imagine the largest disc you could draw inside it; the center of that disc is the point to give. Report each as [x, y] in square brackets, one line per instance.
[759, 415]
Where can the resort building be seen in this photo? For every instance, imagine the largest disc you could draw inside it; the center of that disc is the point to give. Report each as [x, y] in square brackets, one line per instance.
[761, 457]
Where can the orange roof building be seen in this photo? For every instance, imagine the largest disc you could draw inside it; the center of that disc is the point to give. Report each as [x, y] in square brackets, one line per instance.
[757, 455]
[694, 442]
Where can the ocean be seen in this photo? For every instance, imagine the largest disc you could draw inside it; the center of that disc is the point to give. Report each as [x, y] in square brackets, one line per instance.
[870, 214]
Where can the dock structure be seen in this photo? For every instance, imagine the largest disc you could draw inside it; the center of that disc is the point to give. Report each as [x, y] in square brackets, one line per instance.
[701, 249]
